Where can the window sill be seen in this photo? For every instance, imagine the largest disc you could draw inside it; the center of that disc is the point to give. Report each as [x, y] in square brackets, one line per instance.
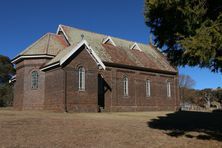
[82, 90]
[126, 96]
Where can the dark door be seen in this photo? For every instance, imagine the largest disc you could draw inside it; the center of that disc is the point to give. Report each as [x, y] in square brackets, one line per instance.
[101, 91]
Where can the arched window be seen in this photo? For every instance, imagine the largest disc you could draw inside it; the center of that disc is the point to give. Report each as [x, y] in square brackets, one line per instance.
[125, 86]
[35, 78]
[148, 92]
[81, 78]
[168, 89]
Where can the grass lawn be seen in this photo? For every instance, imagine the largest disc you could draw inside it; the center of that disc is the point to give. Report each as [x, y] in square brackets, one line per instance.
[45, 129]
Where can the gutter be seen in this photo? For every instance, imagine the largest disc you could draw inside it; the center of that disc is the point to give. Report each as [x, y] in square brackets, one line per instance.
[21, 57]
[50, 66]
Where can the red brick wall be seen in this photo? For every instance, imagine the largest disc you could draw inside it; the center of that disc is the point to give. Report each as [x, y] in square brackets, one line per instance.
[115, 99]
[58, 88]
[19, 87]
[54, 90]
[137, 99]
[25, 96]
[81, 100]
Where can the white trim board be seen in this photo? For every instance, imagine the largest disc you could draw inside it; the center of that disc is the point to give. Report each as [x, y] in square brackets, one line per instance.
[89, 49]
[31, 56]
[61, 29]
[50, 66]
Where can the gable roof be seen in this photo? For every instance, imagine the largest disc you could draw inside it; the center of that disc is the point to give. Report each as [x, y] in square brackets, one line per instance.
[47, 46]
[62, 57]
[146, 57]
[59, 47]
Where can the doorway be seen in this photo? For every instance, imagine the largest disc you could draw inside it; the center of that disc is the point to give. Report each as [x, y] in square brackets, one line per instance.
[101, 93]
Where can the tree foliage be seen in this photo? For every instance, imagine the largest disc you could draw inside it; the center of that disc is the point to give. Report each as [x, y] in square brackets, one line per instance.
[218, 94]
[191, 30]
[6, 69]
[6, 95]
[6, 72]
[202, 97]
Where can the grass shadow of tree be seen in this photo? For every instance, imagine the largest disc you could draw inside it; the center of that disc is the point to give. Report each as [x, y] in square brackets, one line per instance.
[207, 125]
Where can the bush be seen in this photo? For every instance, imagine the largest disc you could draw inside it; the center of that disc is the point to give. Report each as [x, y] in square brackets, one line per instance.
[6, 95]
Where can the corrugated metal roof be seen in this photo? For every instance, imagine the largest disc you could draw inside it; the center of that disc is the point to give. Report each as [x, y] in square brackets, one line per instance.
[149, 57]
[60, 55]
[56, 45]
[49, 44]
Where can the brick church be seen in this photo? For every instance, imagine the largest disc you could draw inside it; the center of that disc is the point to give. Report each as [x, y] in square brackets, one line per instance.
[80, 71]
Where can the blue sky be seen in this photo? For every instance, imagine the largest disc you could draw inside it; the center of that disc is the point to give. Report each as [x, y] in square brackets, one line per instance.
[24, 21]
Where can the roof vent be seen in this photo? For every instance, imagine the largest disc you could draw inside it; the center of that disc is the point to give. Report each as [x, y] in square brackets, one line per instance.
[135, 46]
[109, 41]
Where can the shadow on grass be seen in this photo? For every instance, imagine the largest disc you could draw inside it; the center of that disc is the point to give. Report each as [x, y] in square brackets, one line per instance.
[207, 125]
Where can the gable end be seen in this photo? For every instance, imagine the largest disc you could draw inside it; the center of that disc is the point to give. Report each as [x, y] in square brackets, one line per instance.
[73, 51]
[109, 40]
[135, 46]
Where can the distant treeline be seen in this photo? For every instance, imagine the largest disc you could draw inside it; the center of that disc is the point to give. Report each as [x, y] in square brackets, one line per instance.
[201, 97]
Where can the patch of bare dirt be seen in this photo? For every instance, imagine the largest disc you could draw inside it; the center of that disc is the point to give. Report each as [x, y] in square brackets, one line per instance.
[44, 129]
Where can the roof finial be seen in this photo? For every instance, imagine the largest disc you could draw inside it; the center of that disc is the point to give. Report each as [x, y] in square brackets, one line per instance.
[82, 36]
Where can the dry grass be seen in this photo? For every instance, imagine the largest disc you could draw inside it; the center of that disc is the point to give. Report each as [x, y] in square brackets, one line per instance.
[45, 129]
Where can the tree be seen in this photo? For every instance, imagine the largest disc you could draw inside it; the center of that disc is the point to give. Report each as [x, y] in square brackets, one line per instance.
[186, 84]
[190, 31]
[217, 93]
[6, 72]
[185, 81]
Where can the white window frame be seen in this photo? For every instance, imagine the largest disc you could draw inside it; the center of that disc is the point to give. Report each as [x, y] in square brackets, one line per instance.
[148, 89]
[81, 73]
[126, 86]
[169, 89]
[35, 79]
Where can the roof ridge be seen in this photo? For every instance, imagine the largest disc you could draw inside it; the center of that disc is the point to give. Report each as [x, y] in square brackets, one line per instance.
[105, 35]
[33, 44]
[47, 45]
